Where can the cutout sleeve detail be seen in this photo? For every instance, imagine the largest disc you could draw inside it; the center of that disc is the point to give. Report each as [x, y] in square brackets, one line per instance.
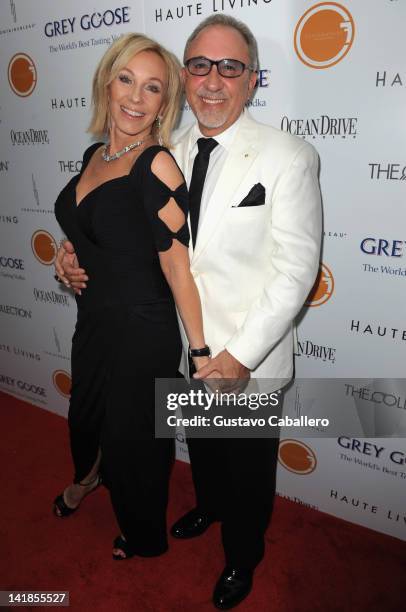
[165, 199]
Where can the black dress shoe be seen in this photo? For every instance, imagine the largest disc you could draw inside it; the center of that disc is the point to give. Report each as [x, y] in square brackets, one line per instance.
[232, 587]
[192, 524]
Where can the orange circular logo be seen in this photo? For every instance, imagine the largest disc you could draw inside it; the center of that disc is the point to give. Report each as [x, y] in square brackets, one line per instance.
[22, 74]
[324, 35]
[44, 247]
[296, 457]
[62, 382]
[322, 289]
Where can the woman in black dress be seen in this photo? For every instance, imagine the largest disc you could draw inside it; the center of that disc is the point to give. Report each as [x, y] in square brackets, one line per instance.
[126, 215]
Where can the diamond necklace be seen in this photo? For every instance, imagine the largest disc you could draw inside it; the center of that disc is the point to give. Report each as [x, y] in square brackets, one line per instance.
[109, 158]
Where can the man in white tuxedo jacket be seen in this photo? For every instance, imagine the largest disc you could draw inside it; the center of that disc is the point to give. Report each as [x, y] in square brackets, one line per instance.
[254, 259]
[254, 256]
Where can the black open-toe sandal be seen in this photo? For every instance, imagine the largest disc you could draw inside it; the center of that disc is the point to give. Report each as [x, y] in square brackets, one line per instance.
[119, 542]
[61, 505]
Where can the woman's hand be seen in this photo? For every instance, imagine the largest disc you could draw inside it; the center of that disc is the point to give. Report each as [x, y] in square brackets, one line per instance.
[234, 375]
[204, 362]
[67, 268]
[199, 362]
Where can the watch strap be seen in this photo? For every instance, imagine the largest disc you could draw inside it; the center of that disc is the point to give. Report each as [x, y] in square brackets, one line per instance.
[200, 352]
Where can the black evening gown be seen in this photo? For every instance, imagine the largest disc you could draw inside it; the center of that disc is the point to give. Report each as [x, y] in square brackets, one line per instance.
[126, 335]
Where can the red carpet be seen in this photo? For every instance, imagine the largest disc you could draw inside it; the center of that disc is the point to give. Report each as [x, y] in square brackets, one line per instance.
[314, 562]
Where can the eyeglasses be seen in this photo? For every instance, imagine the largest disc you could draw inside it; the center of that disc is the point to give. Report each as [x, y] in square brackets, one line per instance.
[229, 68]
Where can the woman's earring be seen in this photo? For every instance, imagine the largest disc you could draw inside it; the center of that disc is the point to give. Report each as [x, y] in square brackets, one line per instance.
[158, 126]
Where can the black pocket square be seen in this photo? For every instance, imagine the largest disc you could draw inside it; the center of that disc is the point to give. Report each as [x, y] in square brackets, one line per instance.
[255, 197]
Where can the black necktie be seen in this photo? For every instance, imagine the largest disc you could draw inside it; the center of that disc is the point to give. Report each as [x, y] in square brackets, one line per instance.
[200, 165]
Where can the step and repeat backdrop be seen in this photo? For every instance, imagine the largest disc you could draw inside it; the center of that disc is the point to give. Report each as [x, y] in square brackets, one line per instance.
[330, 73]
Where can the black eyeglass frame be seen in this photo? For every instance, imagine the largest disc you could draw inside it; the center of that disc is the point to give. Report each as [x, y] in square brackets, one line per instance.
[216, 63]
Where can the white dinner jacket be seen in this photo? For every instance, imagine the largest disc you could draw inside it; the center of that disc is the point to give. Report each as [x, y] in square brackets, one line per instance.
[254, 266]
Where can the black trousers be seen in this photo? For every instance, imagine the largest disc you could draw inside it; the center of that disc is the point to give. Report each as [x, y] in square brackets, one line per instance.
[235, 482]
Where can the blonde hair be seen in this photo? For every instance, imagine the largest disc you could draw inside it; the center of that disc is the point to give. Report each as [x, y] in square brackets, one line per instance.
[115, 58]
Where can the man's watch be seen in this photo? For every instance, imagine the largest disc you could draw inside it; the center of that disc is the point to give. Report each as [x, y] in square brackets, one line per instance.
[200, 352]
